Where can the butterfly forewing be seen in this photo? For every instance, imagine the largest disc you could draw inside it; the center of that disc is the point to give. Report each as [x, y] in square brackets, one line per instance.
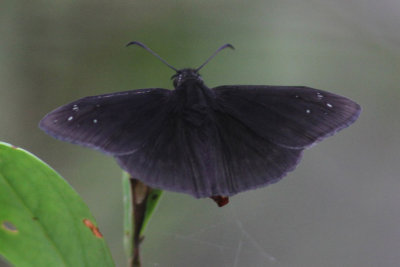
[116, 123]
[290, 116]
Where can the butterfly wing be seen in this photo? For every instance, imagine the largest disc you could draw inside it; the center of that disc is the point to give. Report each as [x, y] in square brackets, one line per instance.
[289, 116]
[238, 138]
[116, 123]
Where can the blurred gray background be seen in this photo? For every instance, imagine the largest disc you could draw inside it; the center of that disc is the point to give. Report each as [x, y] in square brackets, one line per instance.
[341, 205]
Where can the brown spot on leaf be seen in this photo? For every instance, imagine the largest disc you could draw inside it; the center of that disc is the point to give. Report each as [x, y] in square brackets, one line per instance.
[14, 147]
[93, 228]
[8, 226]
[220, 200]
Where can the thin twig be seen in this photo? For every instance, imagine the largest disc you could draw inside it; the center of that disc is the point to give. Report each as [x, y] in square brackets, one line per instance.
[140, 193]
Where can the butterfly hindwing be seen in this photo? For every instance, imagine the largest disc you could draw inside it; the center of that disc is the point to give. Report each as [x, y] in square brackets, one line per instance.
[169, 160]
[290, 116]
[116, 123]
[246, 160]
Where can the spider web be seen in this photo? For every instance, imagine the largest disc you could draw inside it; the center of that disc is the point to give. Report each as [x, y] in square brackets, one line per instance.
[228, 242]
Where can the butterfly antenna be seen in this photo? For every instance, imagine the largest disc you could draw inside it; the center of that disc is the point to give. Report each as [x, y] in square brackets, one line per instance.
[215, 53]
[152, 52]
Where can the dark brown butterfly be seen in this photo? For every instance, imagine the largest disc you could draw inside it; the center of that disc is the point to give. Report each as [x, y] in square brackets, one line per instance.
[201, 141]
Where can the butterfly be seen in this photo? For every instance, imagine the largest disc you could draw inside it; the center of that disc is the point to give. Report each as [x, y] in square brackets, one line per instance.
[206, 142]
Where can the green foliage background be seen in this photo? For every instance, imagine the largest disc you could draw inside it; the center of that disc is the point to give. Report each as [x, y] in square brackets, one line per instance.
[339, 208]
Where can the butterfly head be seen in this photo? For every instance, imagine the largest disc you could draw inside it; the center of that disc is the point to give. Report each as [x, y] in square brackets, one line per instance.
[186, 75]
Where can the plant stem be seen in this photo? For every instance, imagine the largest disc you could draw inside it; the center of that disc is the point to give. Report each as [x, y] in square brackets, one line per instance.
[140, 202]
[140, 193]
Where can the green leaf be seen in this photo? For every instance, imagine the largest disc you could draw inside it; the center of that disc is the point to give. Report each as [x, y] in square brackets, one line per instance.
[152, 202]
[43, 221]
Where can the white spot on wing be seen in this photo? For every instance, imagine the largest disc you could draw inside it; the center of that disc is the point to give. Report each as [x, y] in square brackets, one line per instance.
[70, 118]
[142, 91]
[113, 94]
[308, 111]
[75, 108]
[95, 121]
[329, 105]
[319, 95]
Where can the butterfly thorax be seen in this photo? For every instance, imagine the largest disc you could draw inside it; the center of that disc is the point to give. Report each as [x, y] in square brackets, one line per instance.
[194, 97]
